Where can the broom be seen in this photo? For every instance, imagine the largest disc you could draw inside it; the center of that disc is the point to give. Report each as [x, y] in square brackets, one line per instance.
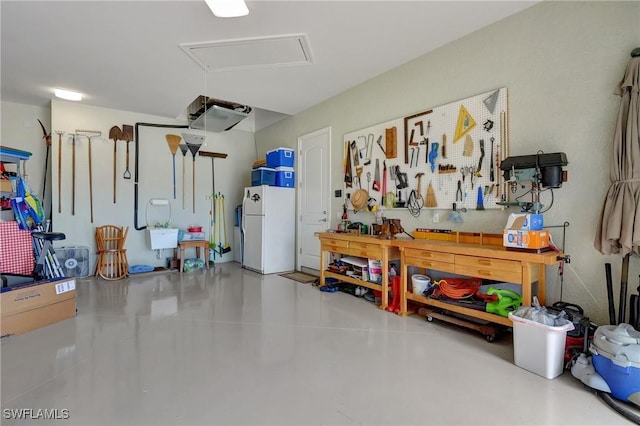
[431, 197]
[227, 247]
[174, 143]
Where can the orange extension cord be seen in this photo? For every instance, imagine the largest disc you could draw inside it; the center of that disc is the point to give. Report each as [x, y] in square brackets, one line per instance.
[459, 288]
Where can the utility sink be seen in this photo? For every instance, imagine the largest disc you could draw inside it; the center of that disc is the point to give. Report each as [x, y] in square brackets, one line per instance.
[162, 238]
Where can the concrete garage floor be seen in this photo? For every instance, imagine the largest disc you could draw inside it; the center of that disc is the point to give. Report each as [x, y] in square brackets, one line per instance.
[229, 346]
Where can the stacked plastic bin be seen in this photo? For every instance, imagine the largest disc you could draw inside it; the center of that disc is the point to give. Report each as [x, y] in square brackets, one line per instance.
[282, 160]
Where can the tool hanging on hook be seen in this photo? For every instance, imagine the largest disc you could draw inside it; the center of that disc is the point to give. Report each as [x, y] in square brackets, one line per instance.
[115, 133]
[59, 133]
[184, 149]
[90, 134]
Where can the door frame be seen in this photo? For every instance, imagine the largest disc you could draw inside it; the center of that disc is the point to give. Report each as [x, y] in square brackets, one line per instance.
[327, 196]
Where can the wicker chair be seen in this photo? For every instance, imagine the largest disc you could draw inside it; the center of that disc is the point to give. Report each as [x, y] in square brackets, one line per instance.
[112, 261]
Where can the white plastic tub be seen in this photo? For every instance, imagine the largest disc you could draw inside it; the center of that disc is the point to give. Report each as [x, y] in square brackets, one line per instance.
[539, 348]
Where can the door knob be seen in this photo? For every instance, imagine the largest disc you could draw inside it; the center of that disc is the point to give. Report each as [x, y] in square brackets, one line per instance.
[323, 220]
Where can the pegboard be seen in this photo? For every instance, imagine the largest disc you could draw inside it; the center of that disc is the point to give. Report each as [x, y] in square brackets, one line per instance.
[444, 144]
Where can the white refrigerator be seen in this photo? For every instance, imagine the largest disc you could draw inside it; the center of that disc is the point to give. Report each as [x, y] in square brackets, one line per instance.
[269, 228]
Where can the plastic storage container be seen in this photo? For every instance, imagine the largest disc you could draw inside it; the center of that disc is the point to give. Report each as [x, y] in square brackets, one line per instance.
[539, 348]
[281, 157]
[616, 357]
[420, 283]
[263, 176]
[285, 177]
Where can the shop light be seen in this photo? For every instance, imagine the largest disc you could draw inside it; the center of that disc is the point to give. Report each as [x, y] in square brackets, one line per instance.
[68, 94]
[228, 8]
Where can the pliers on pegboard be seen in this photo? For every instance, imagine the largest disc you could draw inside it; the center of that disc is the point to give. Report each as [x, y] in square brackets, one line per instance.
[459, 191]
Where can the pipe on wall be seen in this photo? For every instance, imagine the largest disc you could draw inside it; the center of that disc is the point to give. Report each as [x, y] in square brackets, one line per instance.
[136, 166]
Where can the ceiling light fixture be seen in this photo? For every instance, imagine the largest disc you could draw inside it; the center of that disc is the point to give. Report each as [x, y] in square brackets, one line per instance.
[67, 94]
[228, 8]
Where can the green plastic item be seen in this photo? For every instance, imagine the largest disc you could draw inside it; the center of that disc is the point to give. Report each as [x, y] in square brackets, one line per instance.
[508, 301]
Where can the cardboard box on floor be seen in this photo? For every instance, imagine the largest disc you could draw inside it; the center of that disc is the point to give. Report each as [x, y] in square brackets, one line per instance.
[35, 305]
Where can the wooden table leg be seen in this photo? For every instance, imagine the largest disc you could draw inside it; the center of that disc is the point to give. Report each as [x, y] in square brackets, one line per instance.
[322, 267]
[527, 295]
[385, 279]
[542, 284]
[403, 284]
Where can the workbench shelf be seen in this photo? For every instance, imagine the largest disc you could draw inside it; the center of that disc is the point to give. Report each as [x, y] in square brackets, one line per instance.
[351, 280]
[486, 316]
[364, 246]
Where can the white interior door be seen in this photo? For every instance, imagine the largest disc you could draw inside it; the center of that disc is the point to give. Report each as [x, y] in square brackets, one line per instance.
[314, 194]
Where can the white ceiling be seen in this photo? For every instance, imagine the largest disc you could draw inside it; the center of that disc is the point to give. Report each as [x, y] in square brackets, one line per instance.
[125, 55]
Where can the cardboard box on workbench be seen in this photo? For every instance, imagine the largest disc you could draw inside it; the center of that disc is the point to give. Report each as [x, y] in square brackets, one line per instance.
[35, 305]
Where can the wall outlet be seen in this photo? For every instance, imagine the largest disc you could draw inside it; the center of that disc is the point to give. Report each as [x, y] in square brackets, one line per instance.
[338, 193]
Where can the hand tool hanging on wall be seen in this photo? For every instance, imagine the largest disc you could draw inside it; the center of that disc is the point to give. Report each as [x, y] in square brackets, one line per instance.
[226, 248]
[358, 173]
[73, 174]
[127, 135]
[348, 176]
[391, 142]
[90, 134]
[174, 142]
[433, 154]
[376, 176]
[183, 149]
[468, 146]
[480, 200]
[444, 145]
[115, 133]
[213, 156]
[194, 142]
[481, 158]
[492, 176]
[384, 183]
[354, 152]
[431, 197]
[369, 146]
[212, 223]
[419, 197]
[379, 142]
[59, 133]
[47, 139]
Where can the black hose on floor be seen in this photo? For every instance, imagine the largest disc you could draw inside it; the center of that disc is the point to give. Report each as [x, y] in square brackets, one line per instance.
[619, 407]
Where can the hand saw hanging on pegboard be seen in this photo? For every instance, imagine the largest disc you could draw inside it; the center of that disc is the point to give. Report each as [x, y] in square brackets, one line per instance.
[348, 177]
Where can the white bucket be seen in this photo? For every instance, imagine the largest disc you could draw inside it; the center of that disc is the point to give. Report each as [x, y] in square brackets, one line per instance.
[420, 283]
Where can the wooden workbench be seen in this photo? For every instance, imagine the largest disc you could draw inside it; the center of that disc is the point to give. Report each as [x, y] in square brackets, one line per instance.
[475, 260]
[364, 246]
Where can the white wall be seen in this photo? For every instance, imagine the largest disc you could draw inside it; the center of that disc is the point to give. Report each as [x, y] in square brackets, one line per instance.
[560, 62]
[155, 178]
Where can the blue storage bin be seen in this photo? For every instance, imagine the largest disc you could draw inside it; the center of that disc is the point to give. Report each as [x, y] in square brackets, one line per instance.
[281, 157]
[263, 176]
[285, 177]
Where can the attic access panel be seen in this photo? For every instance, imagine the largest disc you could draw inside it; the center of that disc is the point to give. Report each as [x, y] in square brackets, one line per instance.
[248, 53]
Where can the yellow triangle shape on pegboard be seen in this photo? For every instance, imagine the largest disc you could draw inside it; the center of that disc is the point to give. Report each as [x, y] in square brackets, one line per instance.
[464, 125]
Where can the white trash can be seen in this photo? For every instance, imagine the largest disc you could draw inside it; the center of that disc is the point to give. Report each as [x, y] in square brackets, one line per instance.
[539, 348]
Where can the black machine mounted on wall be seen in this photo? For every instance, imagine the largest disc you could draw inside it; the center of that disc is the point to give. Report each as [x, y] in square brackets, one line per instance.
[544, 171]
